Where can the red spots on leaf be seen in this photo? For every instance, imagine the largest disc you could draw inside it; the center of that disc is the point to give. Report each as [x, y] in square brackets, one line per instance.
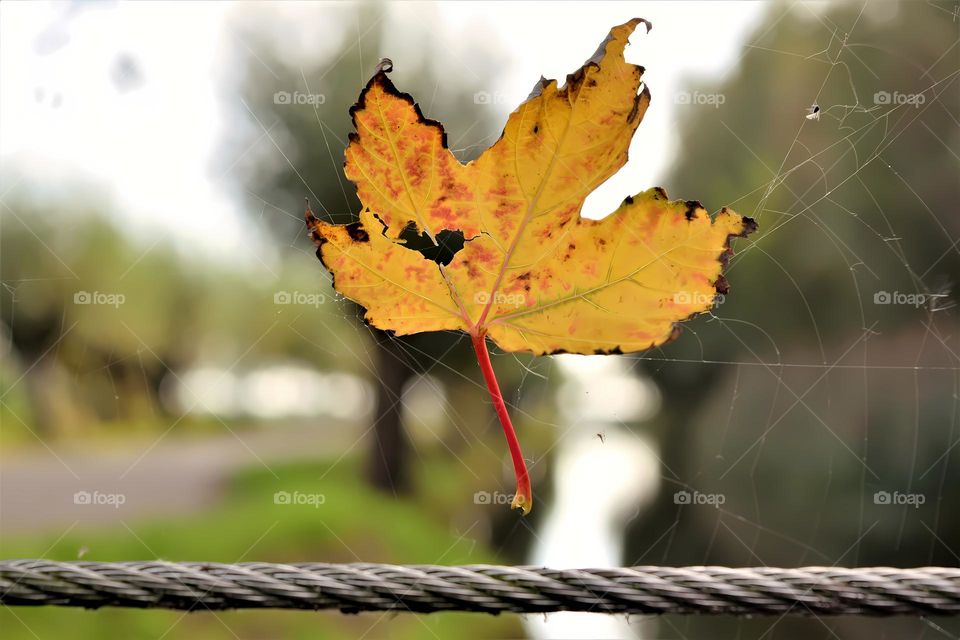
[639, 335]
[506, 209]
[416, 274]
[473, 273]
[611, 118]
[445, 215]
[414, 169]
[487, 258]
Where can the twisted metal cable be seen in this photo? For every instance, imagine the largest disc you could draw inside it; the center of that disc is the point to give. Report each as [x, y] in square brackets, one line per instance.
[359, 587]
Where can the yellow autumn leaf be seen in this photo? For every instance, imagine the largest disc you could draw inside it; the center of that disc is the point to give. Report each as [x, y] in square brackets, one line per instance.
[533, 275]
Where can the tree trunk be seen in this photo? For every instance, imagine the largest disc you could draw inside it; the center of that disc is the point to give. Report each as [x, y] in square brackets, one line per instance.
[389, 450]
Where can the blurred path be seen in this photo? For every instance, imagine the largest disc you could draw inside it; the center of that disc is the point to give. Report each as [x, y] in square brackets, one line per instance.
[174, 475]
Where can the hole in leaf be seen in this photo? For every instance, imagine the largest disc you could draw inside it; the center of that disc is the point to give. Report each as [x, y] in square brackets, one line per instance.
[448, 244]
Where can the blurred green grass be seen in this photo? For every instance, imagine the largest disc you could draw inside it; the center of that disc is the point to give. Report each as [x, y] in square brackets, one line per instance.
[354, 523]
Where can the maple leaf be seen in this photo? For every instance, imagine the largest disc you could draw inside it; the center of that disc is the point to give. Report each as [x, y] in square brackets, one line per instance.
[533, 275]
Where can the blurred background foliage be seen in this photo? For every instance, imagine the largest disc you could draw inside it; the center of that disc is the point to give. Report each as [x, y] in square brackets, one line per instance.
[798, 399]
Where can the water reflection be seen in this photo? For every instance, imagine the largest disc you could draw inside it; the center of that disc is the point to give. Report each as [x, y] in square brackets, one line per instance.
[605, 475]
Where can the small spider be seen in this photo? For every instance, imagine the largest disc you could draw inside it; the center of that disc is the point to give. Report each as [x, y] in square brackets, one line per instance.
[813, 112]
[602, 438]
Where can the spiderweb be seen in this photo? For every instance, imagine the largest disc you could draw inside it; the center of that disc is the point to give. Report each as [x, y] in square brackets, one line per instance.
[814, 416]
[829, 440]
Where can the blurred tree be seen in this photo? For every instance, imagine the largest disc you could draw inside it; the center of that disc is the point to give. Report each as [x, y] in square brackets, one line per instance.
[297, 109]
[861, 201]
[64, 304]
[97, 321]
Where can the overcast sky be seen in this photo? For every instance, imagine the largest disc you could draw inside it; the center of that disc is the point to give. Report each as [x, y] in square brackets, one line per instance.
[71, 111]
